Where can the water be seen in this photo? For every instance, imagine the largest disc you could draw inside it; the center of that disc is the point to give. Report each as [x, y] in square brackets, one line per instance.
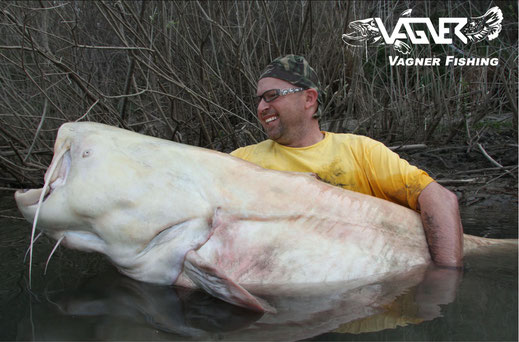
[82, 297]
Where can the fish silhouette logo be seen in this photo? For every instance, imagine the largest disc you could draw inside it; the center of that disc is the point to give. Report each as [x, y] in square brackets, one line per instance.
[372, 31]
[487, 26]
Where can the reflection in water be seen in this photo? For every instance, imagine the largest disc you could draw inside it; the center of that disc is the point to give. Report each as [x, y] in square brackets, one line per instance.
[115, 307]
[83, 298]
[419, 303]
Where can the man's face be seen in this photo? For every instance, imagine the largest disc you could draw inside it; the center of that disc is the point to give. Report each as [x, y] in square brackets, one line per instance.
[283, 117]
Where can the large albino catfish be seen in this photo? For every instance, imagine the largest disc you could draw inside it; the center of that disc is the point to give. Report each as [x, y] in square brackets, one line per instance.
[168, 213]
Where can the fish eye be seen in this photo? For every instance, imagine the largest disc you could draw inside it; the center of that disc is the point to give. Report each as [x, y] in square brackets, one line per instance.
[86, 153]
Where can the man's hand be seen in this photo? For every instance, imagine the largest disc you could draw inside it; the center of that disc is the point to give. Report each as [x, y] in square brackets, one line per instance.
[442, 225]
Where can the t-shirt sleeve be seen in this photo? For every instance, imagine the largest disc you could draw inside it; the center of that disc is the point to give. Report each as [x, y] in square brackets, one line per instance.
[392, 177]
[251, 153]
[241, 153]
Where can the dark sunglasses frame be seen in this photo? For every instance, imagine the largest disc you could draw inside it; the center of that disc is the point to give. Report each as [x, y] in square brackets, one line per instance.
[278, 93]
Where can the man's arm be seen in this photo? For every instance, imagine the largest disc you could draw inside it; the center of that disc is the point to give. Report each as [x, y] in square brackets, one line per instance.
[442, 225]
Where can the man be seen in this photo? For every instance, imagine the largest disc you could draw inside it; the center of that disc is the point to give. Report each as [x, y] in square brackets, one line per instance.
[288, 108]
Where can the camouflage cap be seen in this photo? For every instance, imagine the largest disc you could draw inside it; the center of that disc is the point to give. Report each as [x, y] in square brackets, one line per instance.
[296, 70]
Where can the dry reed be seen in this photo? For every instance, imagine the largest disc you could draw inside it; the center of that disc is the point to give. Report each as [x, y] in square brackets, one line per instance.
[186, 71]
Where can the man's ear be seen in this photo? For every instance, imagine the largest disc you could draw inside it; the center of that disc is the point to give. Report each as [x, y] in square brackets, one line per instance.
[311, 97]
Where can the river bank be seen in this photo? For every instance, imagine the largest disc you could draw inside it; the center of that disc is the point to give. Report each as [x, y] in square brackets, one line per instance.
[471, 172]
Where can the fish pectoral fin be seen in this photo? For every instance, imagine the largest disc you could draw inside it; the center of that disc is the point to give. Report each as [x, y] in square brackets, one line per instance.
[215, 282]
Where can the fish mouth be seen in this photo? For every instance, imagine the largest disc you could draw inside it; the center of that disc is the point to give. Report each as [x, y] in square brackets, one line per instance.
[358, 33]
[56, 180]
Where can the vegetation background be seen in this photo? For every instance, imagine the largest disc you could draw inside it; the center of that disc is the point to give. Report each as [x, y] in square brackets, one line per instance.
[187, 70]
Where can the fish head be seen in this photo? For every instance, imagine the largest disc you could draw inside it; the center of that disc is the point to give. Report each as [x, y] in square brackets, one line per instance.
[115, 192]
[362, 31]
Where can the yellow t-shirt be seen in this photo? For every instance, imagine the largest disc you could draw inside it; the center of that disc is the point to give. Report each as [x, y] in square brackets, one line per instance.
[350, 161]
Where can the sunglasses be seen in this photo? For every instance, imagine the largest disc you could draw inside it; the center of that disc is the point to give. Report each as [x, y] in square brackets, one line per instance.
[272, 94]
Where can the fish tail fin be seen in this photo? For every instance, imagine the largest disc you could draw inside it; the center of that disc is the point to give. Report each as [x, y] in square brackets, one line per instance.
[471, 242]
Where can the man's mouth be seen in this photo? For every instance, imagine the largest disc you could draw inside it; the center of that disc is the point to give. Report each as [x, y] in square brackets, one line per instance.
[272, 118]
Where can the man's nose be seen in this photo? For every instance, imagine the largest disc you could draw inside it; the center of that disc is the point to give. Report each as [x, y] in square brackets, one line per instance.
[262, 106]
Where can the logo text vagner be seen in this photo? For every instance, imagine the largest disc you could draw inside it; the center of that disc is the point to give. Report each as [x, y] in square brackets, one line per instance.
[372, 31]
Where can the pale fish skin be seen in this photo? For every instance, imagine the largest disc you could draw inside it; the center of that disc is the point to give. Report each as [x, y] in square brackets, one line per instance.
[168, 213]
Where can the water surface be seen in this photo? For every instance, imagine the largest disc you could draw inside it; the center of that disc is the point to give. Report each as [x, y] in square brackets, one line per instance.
[82, 297]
